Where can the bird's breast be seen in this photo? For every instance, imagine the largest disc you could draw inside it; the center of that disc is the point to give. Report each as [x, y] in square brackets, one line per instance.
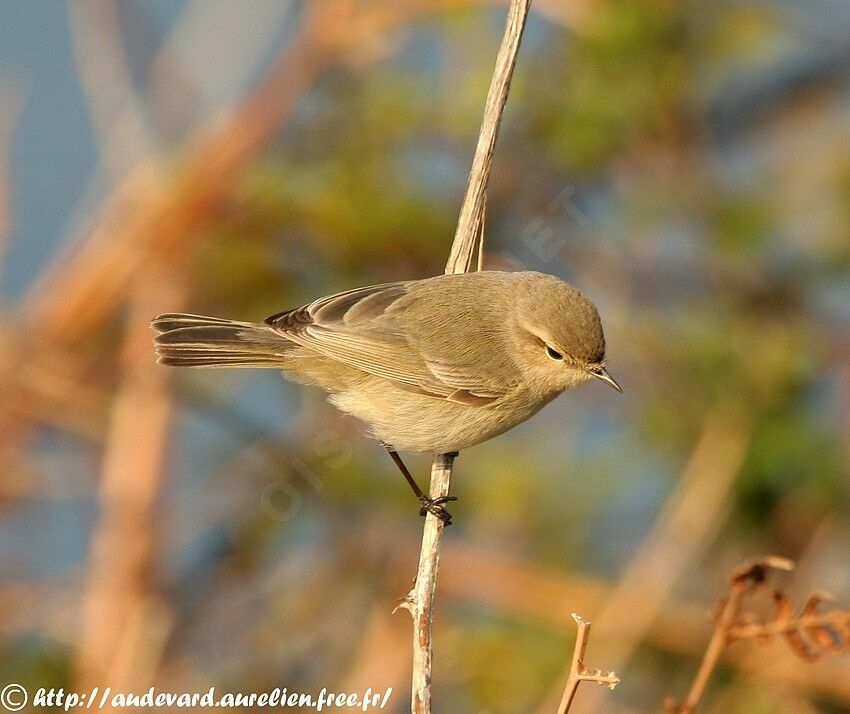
[414, 422]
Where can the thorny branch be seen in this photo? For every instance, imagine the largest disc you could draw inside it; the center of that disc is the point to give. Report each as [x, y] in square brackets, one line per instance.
[810, 634]
[468, 240]
[579, 671]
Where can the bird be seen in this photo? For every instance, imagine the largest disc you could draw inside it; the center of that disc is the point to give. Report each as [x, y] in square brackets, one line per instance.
[435, 365]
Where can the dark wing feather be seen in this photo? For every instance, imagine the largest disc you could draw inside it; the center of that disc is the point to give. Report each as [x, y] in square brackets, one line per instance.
[359, 328]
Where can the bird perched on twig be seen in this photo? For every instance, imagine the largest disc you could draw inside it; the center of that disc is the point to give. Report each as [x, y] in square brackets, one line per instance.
[438, 365]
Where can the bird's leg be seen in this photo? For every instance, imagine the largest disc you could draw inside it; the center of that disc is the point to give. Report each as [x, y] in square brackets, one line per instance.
[436, 506]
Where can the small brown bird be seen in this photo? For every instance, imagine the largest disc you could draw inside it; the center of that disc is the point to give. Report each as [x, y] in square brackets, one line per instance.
[435, 365]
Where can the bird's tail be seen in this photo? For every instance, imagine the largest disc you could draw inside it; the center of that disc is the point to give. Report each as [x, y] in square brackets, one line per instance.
[198, 341]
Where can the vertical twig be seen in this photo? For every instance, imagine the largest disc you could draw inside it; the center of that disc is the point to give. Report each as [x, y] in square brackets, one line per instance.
[745, 579]
[471, 217]
[468, 239]
[578, 669]
[714, 649]
[420, 600]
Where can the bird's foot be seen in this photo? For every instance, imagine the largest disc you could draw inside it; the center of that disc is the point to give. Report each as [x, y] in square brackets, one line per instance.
[436, 507]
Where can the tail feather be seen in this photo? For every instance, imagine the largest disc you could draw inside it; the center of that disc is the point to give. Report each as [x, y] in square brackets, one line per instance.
[173, 320]
[209, 337]
[198, 341]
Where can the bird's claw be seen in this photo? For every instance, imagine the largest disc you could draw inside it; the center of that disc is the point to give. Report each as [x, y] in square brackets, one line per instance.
[435, 506]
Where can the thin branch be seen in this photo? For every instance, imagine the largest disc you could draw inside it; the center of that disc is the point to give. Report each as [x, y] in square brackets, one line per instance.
[420, 600]
[839, 620]
[490, 580]
[471, 219]
[482, 232]
[744, 580]
[579, 671]
[468, 239]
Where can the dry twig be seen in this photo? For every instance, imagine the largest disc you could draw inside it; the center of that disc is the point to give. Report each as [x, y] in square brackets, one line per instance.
[810, 634]
[467, 241]
[579, 671]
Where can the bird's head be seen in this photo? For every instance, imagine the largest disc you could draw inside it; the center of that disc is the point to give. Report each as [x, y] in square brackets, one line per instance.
[557, 335]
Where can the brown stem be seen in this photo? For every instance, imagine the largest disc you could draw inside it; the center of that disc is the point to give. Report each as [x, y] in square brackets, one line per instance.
[838, 619]
[715, 647]
[420, 599]
[467, 243]
[470, 222]
[578, 670]
[744, 580]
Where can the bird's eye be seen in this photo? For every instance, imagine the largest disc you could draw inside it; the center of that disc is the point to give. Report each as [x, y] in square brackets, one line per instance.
[554, 354]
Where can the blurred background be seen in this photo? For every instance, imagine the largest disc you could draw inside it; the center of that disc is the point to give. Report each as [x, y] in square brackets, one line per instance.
[687, 164]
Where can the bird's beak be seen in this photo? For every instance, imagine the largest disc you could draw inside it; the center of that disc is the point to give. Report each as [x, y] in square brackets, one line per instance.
[602, 373]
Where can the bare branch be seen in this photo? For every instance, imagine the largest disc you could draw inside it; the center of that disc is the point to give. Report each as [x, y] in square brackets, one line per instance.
[470, 223]
[827, 631]
[579, 671]
[420, 600]
[810, 635]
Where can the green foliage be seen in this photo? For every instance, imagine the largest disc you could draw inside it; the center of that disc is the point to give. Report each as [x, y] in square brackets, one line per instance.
[741, 221]
[623, 80]
[793, 459]
[521, 660]
[33, 662]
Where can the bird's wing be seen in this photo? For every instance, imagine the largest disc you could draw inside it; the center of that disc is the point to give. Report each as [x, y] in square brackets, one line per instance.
[358, 328]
